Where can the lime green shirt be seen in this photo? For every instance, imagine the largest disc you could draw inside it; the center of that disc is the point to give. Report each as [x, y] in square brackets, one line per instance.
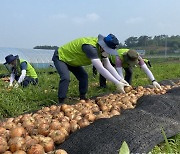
[120, 54]
[72, 53]
[30, 72]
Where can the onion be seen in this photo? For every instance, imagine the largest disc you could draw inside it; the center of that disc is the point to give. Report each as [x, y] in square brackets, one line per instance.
[85, 111]
[70, 114]
[3, 145]
[18, 132]
[125, 99]
[63, 130]
[58, 115]
[7, 152]
[17, 119]
[55, 125]
[4, 133]
[74, 126]
[10, 120]
[90, 117]
[20, 152]
[127, 89]
[45, 109]
[104, 108]
[16, 143]
[66, 125]
[64, 106]
[114, 112]
[53, 108]
[57, 136]
[29, 142]
[26, 117]
[9, 125]
[124, 106]
[83, 123]
[47, 143]
[43, 129]
[29, 122]
[77, 118]
[60, 151]
[36, 149]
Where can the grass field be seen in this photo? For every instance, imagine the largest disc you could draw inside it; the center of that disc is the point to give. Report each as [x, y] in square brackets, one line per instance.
[14, 102]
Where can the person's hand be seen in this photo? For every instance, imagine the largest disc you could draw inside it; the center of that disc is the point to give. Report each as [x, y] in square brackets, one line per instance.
[120, 87]
[125, 82]
[156, 85]
[16, 85]
[10, 85]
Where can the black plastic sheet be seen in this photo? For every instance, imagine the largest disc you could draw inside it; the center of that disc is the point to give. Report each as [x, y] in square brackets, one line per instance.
[140, 127]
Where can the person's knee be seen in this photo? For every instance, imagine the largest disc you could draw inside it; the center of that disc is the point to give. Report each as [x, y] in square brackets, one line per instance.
[85, 75]
[25, 83]
[65, 78]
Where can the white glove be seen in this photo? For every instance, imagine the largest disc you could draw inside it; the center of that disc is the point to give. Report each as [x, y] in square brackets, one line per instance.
[16, 85]
[120, 87]
[10, 85]
[156, 85]
[125, 82]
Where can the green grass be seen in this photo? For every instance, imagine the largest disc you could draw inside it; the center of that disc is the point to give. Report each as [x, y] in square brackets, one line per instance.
[18, 101]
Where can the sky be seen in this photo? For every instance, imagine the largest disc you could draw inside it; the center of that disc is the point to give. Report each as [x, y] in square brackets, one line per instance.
[29, 23]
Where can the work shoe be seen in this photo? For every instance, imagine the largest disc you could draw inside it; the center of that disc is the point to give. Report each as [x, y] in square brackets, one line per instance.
[61, 100]
[83, 97]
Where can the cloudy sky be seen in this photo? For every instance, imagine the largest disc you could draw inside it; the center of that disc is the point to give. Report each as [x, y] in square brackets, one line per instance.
[28, 23]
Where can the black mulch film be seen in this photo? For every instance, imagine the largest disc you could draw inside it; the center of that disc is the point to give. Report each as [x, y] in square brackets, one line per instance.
[139, 127]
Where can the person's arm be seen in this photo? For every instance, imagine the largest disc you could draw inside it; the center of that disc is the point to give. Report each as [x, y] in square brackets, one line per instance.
[23, 72]
[110, 68]
[22, 76]
[148, 73]
[91, 53]
[12, 77]
[118, 65]
[103, 71]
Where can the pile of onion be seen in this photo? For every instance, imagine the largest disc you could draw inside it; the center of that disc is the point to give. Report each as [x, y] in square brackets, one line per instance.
[40, 132]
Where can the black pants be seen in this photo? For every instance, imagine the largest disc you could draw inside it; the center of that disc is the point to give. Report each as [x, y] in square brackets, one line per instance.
[63, 70]
[27, 80]
[128, 77]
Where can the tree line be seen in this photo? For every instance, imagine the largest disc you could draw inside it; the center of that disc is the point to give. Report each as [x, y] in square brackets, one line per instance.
[172, 42]
[48, 47]
[148, 43]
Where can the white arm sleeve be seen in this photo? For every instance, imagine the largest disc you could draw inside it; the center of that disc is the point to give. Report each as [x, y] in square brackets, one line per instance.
[120, 72]
[12, 77]
[23, 75]
[147, 71]
[103, 71]
[111, 69]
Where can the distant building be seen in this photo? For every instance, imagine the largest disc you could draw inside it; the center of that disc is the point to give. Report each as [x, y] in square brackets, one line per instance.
[177, 51]
[39, 58]
[141, 52]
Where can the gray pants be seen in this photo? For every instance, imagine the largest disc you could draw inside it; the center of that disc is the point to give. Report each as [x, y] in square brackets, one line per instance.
[63, 70]
[27, 80]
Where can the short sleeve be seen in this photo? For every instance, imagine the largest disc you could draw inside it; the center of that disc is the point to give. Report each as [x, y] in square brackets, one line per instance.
[90, 51]
[24, 65]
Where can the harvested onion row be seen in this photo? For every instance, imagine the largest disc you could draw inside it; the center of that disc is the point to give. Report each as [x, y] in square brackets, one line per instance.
[39, 132]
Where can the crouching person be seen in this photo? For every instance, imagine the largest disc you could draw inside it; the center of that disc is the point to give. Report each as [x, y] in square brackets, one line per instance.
[21, 71]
